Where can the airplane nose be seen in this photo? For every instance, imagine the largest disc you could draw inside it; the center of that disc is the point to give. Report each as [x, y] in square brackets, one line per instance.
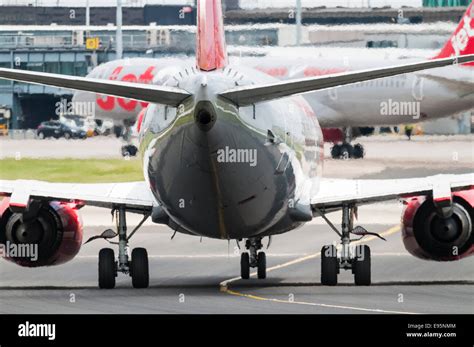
[205, 115]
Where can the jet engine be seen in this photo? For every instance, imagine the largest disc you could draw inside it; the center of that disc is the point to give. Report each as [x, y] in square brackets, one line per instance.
[429, 235]
[48, 233]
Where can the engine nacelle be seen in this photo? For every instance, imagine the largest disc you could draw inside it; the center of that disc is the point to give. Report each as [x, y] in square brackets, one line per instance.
[426, 235]
[52, 236]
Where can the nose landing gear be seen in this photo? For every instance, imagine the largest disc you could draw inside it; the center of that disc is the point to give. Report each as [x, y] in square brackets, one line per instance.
[253, 258]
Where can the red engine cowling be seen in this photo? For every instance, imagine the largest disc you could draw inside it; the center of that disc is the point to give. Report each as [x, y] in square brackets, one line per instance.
[429, 236]
[54, 234]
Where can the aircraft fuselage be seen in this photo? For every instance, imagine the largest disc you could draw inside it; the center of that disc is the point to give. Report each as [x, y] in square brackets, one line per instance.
[226, 172]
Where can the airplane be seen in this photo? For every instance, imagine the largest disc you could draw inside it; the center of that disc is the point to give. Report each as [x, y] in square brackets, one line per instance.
[419, 96]
[231, 153]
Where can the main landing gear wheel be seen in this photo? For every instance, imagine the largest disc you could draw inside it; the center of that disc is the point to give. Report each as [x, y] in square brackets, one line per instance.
[357, 260]
[245, 266]
[361, 266]
[329, 266]
[358, 152]
[129, 151]
[139, 268]
[261, 265]
[107, 268]
[336, 151]
[347, 151]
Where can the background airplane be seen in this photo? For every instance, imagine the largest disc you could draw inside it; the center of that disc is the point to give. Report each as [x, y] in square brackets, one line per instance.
[230, 152]
[423, 95]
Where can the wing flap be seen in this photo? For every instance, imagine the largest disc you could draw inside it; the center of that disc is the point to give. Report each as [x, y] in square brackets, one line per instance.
[334, 193]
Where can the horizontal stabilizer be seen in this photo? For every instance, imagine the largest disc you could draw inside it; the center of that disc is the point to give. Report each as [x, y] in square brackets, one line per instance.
[247, 95]
[143, 92]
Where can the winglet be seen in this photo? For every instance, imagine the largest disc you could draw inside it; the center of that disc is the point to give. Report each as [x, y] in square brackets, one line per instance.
[211, 52]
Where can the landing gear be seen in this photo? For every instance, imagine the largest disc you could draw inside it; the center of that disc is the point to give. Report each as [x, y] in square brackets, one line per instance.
[129, 151]
[329, 266]
[361, 266]
[109, 266]
[261, 265]
[357, 260]
[345, 150]
[253, 258]
[139, 268]
[245, 266]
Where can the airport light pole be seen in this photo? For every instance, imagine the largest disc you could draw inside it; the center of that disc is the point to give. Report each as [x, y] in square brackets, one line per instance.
[118, 34]
[298, 22]
[88, 14]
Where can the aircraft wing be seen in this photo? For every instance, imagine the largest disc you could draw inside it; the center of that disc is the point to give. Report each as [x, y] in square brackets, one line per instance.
[133, 195]
[334, 193]
[248, 95]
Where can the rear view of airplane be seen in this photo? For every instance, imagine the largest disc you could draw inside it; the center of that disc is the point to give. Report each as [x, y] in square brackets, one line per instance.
[408, 98]
[232, 153]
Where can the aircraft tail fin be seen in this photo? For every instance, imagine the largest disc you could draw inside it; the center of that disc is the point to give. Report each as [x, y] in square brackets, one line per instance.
[462, 40]
[211, 52]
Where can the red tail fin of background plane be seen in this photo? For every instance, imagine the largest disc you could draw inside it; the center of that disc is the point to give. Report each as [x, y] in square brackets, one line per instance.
[211, 50]
[462, 40]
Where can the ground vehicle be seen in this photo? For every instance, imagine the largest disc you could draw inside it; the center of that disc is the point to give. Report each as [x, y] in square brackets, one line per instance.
[103, 127]
[5, 114]
[80, 123]
[57, 129]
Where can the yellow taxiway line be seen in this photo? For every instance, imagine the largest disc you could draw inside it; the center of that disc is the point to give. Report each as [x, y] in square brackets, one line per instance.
[224, 285]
